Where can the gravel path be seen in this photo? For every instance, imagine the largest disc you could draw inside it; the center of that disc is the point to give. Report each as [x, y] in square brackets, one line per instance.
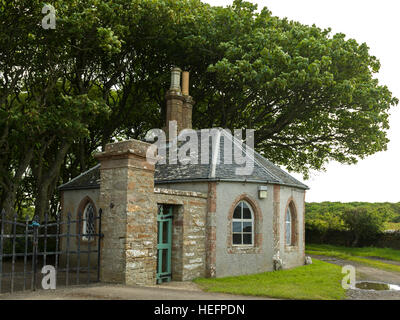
[365, 273]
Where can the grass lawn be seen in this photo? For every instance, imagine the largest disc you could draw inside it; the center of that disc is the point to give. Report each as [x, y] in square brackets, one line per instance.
[358, 255]
[318, 281]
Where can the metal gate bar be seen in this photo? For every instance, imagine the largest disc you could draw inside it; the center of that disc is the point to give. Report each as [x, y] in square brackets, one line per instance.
[32, 240]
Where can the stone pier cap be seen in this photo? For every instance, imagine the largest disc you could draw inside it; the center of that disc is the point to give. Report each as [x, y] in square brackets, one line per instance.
[124, 148]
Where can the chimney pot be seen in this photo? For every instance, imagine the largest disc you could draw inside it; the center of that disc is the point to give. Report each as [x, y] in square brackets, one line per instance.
[185, 83]
[179, 104]
[176, 79]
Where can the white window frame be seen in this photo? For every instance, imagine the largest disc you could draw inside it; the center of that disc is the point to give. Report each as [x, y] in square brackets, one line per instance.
[84, 222]
[288, 222]
[243, 220]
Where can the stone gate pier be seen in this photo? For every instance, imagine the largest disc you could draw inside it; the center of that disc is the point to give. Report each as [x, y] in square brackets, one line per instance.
[129, 222]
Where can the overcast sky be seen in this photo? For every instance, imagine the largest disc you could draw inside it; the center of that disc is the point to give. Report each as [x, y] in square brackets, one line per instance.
[376, 178]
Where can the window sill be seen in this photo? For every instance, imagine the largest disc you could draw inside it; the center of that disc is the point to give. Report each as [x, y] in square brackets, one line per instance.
[243, 246]
[243, 249]
[86, 241]
[291, 248]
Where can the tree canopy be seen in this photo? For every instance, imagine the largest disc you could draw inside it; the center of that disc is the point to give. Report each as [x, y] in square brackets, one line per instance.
[101, 75]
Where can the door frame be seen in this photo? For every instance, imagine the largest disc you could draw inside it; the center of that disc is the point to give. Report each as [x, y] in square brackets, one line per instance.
[164, 217]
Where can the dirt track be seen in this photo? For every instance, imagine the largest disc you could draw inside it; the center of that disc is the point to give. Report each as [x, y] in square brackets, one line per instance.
[365, 273]
[171, 291]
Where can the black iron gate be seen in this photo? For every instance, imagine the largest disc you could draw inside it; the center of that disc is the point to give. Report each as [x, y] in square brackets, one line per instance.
[27, 246]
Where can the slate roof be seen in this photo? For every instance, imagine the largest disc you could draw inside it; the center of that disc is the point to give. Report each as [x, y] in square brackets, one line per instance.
[215, 169]
[88, 180]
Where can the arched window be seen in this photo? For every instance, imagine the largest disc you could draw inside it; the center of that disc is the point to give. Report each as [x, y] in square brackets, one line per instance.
[288, 226]
[291, 225]
[88, 226]
[243, 225]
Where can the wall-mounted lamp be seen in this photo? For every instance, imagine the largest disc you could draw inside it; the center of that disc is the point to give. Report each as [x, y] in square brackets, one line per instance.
[262, 192]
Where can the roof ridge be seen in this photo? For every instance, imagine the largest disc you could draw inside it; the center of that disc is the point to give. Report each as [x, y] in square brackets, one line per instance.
[279, 168]
[215, 155]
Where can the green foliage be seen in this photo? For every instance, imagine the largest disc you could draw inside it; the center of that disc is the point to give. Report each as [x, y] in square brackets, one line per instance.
[389, 211]
[330, 221]
[28, 212]
[326, 216]
[394, 226]
[318, 281]
[324, 222]
[310, 94]
[363, 222]
[101, 75]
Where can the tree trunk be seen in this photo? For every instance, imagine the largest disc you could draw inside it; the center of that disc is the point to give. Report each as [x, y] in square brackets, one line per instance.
[12, 185]
[42, 193]
[356, 240]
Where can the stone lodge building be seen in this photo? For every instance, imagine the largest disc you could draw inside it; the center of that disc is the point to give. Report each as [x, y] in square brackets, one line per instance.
[183, 221]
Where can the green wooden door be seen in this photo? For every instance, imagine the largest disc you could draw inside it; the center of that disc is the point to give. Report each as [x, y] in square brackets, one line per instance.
[164, 245]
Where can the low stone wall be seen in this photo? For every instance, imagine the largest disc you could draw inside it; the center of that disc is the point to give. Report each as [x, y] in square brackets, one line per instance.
[189, 231]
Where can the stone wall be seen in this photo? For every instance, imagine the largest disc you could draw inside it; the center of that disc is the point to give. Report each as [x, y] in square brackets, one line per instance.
[211, 231]
[292, 256]
[269, 229]
[238, 260]
[276, 217]
[129, 223]
[188, 238]
[129, 202]
[72, 202]
[189, 234]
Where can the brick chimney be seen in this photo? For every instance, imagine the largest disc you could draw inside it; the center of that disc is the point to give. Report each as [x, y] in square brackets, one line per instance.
[179, 102]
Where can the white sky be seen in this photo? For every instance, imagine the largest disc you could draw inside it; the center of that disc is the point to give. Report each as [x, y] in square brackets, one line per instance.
[376, 178]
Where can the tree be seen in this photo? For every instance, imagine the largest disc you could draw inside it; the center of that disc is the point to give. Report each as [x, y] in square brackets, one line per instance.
[363, 222]
[39, 123]
[101, 75]
[311, 96]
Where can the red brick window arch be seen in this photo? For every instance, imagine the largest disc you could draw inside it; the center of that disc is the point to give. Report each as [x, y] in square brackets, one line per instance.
[244, 226]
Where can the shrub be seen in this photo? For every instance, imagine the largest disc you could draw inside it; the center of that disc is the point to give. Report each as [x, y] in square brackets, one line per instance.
[363, 223]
